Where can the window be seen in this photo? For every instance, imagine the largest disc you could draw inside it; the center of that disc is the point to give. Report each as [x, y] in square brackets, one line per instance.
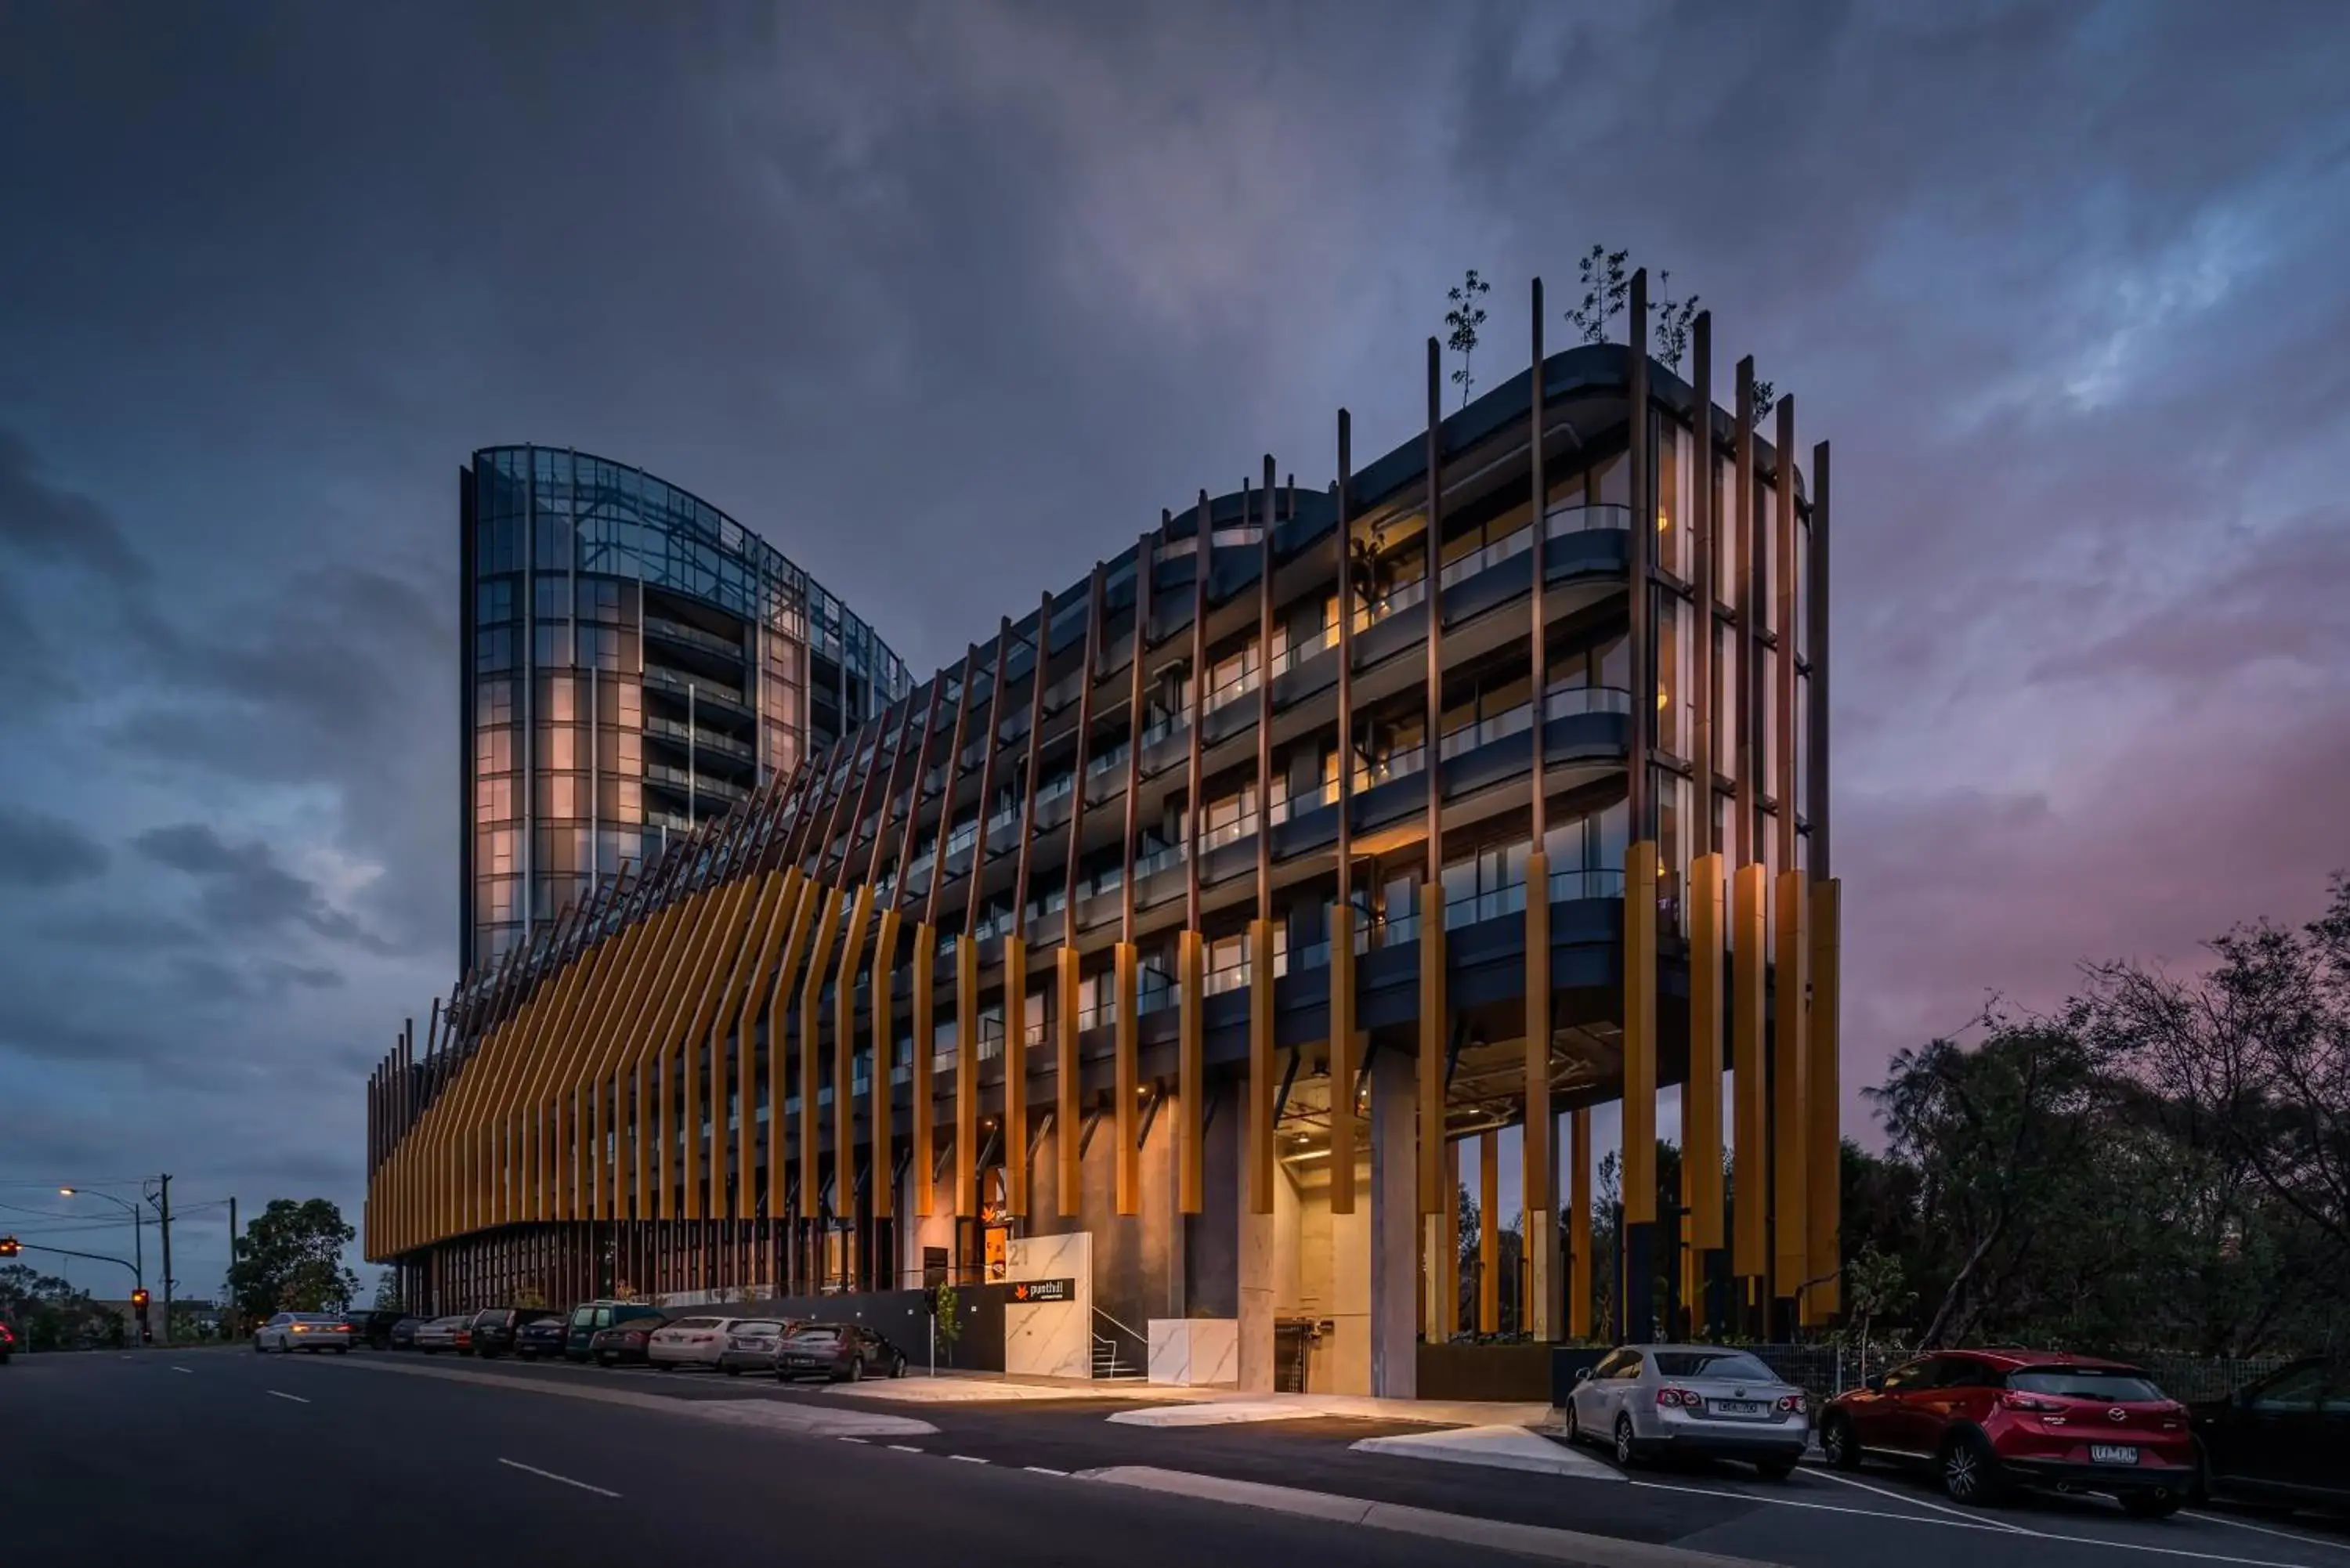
[1734, 1363]
[2293, 1392]
[1910, 1376]
[1628, 1369]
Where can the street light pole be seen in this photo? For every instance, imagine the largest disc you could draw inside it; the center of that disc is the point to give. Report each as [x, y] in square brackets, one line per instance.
[138, 1234]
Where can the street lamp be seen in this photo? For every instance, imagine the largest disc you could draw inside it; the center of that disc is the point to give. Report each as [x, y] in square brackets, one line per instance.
[137, 1232]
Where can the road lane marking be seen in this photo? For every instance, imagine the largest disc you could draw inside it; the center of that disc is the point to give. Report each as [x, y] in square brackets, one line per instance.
[296, 1397]
[1919, 1502]
[2265, 1529]
[550, 1475]
[1043, 1471]
[854, 1439]
[968, 1459]
[1825, 1507]
[906, 1448]
[189, 1370]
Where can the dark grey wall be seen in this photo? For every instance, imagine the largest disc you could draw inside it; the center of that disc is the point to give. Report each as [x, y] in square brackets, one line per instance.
[901, 1316]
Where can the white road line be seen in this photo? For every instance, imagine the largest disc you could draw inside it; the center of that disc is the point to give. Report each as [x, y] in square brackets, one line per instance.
[2265, 1529]
[1824, 1507]
[189, 1370]
[906, 1448]
[855, 1440]
[1916, 1502]
[968, 1459]
[1043, 1471]
[550, 1475]
[296, 1397]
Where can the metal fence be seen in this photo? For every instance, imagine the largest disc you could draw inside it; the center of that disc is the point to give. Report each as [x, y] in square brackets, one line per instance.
[1827, 1370]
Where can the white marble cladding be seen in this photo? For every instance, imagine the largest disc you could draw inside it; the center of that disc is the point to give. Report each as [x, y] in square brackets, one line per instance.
[1195, 1352]
[1050, 1339]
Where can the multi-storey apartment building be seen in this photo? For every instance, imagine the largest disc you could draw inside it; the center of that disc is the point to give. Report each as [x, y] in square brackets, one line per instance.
[1213, 904]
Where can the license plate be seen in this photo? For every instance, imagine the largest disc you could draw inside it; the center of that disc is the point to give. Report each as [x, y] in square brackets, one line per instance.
[1739, 1407]
[2112, 1454]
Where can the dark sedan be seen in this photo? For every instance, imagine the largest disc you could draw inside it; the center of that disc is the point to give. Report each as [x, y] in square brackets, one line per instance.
[840, 1352]
[752, 1343]
[542, 1337]
[372, 1328]
[2284, 1439]
[495, 1328]
[403, 1333]
[623, 1343]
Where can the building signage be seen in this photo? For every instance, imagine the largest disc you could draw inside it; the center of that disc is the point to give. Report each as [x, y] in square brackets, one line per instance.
[1029, 1292]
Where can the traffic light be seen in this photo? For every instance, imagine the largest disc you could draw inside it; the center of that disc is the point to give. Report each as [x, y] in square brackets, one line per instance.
[139, 1300]
[10, 1247]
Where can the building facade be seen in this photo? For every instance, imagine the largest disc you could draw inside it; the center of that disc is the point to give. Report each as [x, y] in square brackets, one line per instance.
[1218, 904]
[635, 663]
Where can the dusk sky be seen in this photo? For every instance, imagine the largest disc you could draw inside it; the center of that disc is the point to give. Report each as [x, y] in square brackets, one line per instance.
[947, 300]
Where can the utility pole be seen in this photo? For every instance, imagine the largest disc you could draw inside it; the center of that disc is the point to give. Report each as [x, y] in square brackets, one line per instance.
[164, 1205]
[235, 1328]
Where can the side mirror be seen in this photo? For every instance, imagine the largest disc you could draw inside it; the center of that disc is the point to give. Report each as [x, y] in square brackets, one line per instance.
[1876, 1383]
[1582, 1374]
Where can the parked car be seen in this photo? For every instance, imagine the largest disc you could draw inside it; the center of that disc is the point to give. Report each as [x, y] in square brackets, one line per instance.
[288, 1332]
[372, 1328]
[542, 1336]
[440, 1334]
[623, 1343]
[842, 1352]
[591, 1318]
[751, 1345]
[2283, 1439]
[688, 1342]
[493, 1328]
[1987, 1420]
[403, 1333]
[1703, 1400]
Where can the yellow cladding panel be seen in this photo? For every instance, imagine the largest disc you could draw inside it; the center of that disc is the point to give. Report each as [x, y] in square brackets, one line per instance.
[578, 984]
[1823, 1138]
[688, 989]
[637, 991]
[879, 1079]
[1434, 1022]
[1128, 1174]
[750, 953]
[843, 1055]
[1750, 1175]
[922, 1106]
[761, 980]
[1069, 1173]
[614, 975]
[1701, 1097]
[1190, 1073]
[1789, 1042]
[1256, 1138]
[966, 1150]
[682, 1053]
[1343, 1059]
[1016, 1075]
[828, 924]
[779, 1007]
[1640, 1033]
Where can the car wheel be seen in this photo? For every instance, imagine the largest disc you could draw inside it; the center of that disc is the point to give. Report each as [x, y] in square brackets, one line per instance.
[342, 1350]
[857, 1370]
[1970, 1471]
[1573, 1429]
[258, 1348]
[1628, 1451]
[731, 1371]
[897, 1368]
[1839, 1442]
[2151, 1504]
[1774, 1469]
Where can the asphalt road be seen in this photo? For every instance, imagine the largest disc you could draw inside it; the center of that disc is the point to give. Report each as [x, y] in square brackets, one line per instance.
[244, 1460]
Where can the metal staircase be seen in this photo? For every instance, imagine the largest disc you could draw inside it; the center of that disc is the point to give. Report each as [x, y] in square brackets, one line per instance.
[1110, 1365]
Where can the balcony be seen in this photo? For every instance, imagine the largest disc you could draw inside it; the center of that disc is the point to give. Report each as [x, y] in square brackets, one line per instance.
[693, 637]
[698, 738]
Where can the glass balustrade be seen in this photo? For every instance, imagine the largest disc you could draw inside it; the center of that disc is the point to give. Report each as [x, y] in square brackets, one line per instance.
[1493, 554]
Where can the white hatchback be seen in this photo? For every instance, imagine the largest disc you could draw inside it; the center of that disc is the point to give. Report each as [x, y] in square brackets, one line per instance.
[688, 1342]
[311, 1330]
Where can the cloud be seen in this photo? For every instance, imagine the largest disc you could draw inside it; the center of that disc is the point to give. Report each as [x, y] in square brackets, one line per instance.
[38, 850]
[241, 887]
[42, 524]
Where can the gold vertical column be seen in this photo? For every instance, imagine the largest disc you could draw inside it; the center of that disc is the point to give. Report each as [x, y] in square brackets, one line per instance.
[1256, 1140]
[1489, 1232]
[1447, 1321]
[779, 1007]
[1823, 1142]
[762, 982]
[1789, 1043]
[827, 926]
[1190, 1077]
[1537, 1161]
[1701, 1094]
[1016, 1071]
[1068, 1173]
[1343, 1061]
[881, 1113]
[1128, 1089]
[1579, 1224]
[966, 1150]
[921, 1108]
[1750, 1175]
[844, 1061]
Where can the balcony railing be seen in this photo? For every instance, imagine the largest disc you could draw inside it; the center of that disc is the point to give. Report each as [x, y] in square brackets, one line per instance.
[1393, 602]
[1560, 521]
[678, 778]
[1487, 906]
[1596, 882]
[1297, 653]
[1516, 720]
[692, 636]
[1298, 805]
[1232, 691]
[1159, 860]
[697, 737]
[1493, 554]
[1564, 701]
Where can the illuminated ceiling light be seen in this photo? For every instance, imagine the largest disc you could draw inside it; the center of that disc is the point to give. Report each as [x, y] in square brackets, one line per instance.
[1664, 700]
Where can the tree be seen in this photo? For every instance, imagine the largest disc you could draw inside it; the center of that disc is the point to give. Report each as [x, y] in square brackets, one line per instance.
[1874, 1284]
[388, 1294]
[1605, 285]
[1464, 319]
[1674, 317]
[291, 1259]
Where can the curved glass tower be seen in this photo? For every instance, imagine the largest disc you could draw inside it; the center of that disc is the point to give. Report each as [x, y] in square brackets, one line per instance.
[635, 661]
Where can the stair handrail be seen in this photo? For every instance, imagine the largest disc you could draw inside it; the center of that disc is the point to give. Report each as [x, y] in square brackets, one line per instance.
[1142, 1340]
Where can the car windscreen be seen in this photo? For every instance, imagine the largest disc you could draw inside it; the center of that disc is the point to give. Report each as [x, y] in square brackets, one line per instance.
[696, 1322]
[823, 1331]
[758, 1326]
[2115, 1383]
[1731, 1363]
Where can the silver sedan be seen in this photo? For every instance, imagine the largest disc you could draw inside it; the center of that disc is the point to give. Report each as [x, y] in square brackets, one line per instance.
[1646, 1401]
[310, 1331]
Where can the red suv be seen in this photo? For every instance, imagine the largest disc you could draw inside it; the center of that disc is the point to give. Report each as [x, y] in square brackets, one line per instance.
[1986, 1420]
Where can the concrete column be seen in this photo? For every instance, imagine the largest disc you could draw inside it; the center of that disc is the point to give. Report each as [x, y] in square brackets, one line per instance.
[1351, 1289]
[1254, 1253]
[1395, 1208]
